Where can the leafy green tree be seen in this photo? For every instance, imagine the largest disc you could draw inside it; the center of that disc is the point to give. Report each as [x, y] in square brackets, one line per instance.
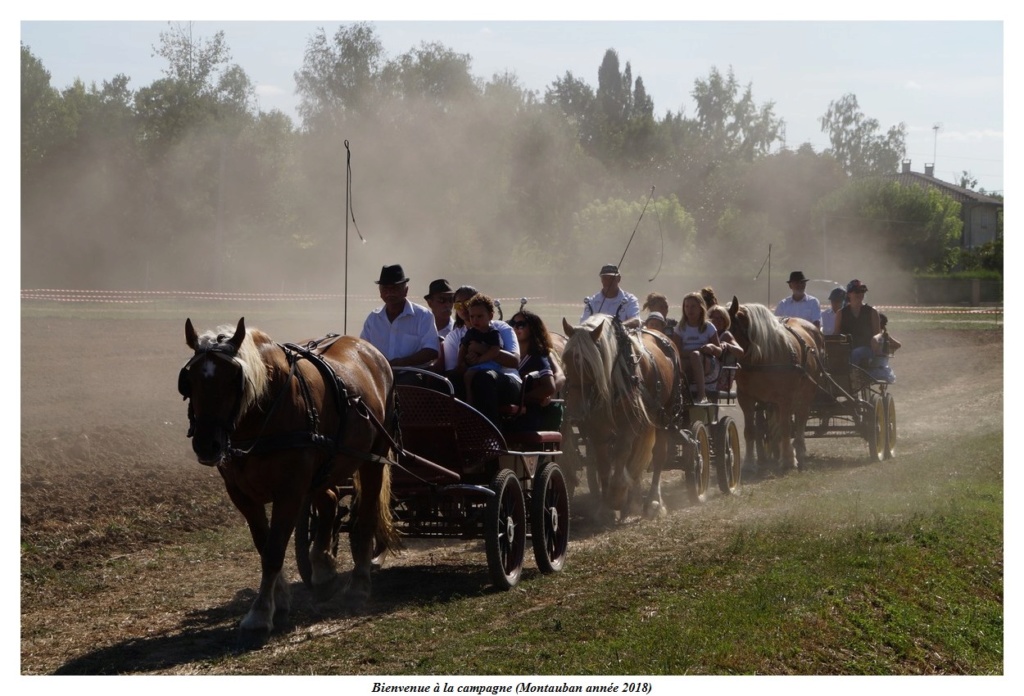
[665, 233]
[856, 142]
[44, 124]
[433, 74]
[340, 76]
[916, 227]
[731, 125]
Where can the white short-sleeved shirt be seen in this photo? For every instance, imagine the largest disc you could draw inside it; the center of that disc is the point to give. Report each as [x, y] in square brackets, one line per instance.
[411, 330]
[808, 308]
[693, 337]
[625, 306]
[445, 330]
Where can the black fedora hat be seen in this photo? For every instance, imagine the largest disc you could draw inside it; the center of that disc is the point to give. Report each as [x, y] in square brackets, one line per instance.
[609, 269]
[439, 285]
[392, 275]
[797, 277]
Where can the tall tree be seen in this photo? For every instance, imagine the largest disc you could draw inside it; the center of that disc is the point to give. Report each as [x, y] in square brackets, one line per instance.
[857, 143]
[340, 76]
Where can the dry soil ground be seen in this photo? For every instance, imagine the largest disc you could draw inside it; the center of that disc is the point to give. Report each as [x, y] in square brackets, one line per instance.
[107, 474]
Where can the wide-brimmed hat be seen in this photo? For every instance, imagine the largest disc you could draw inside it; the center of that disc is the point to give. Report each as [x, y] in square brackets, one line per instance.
[797, 277]
[856, 286]
[609, 269]
[438, 286]
[392, 275]
[837, 294]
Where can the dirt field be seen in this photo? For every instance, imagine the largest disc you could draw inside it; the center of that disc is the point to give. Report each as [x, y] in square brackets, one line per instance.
[107, 473]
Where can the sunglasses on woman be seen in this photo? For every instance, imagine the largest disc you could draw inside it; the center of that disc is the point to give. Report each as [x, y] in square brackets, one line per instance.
[518, 324]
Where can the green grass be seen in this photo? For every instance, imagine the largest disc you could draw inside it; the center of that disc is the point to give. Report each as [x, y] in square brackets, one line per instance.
[906, 580]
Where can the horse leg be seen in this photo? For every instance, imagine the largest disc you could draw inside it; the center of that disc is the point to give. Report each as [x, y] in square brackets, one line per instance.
[371, 523]
[324, 571]
[801, 412]
[653, 506]
[785, 415]
[749, 458]
[260, 621]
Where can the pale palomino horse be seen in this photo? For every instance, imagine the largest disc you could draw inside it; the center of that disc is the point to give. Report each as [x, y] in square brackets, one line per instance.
[623, 391]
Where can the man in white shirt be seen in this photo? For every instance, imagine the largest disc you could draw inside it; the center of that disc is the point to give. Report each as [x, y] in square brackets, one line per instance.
[403, 331]
[799, 304]
[612, 300]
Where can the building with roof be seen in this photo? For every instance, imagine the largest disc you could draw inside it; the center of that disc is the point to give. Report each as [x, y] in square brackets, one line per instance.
[980, 213]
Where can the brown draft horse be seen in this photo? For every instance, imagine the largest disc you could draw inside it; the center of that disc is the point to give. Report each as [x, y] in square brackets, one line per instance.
[282, 430]
[624, 389]
[781, 365]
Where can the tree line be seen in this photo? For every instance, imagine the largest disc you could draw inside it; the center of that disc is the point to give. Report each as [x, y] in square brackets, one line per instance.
[188, 177]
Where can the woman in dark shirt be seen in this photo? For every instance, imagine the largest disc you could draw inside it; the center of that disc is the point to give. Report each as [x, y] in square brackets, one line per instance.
[542, 376]
[860, 321]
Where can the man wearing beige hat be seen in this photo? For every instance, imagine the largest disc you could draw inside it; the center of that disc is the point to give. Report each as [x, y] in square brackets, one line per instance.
[612, 300]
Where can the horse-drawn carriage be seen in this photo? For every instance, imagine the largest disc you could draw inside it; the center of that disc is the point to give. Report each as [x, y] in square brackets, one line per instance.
[852, 402]
[628, 407]
[801, 384]
[322, 434]
[458, 475]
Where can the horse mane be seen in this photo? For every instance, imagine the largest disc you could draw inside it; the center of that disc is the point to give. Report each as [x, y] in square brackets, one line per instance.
[256, 377]
[596, 361]
[769, 343]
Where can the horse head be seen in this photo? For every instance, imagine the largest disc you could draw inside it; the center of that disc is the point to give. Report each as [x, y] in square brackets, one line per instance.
[739, 323]
[216, 382]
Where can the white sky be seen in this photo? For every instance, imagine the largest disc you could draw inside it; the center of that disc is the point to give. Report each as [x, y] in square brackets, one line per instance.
[921, 73]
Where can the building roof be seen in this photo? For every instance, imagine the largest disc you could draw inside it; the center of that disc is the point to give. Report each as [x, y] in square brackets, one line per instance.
[958, 193]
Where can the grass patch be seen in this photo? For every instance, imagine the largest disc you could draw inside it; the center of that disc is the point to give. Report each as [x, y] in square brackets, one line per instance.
[906, 581]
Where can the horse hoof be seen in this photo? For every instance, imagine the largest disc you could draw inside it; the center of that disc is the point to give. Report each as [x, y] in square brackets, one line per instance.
[253, 639]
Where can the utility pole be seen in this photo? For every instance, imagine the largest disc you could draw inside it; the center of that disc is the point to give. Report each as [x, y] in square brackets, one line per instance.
[935, 143]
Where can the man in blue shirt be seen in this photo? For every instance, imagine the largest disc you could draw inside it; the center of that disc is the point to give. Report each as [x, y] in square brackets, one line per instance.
[799, 304]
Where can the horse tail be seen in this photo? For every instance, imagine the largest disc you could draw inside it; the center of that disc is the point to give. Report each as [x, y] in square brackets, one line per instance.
[386, 535]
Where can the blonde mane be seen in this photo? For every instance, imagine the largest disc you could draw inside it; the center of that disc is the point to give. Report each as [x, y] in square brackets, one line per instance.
[249, 358]
[595, 364]
[769, 344]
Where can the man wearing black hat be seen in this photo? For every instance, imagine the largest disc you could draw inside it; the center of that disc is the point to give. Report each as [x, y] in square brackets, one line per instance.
[613, 301]
[403, 331]
[799, 304]
[440, 299]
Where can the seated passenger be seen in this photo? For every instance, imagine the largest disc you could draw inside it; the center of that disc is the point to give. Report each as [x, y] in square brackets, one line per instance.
[655, 321]
[836, 298]
[860, 322]
[497, 383]
[542, 377]
[883, 346]
[730, 351]
[696, 337]
[480, 345]
[656, 302]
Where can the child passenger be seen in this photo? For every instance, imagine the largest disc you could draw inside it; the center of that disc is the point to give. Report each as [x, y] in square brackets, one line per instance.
[883, 346]
[481, 344]
[696, 337]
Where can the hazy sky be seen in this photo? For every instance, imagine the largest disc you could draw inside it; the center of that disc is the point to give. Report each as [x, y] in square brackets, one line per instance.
[921, 73]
